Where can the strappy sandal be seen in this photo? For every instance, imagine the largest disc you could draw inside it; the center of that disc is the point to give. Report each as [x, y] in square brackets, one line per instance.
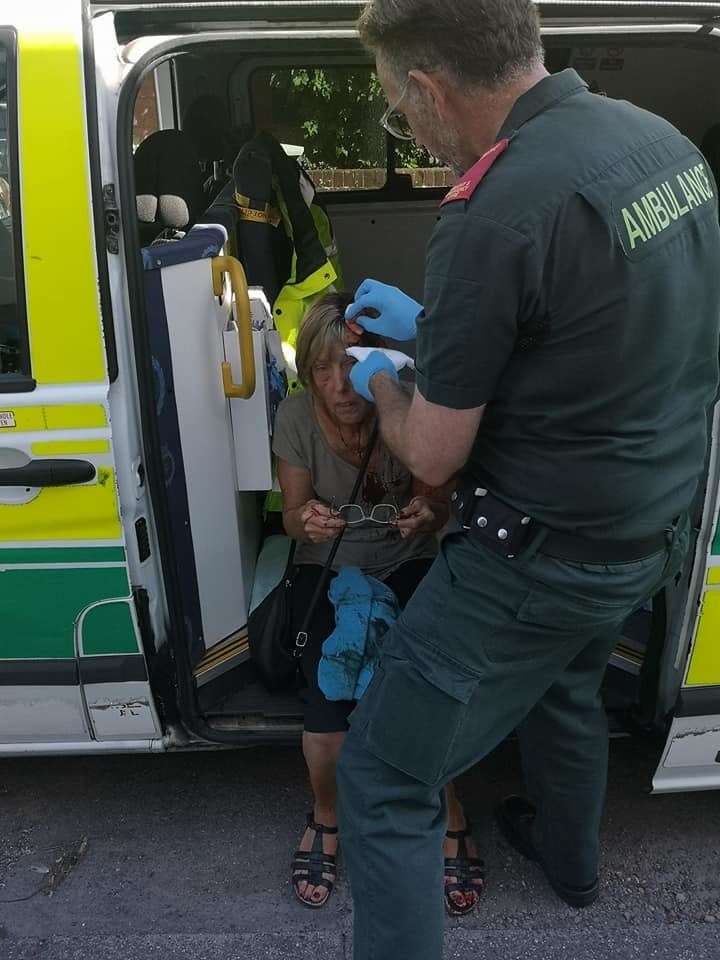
[314, 866]
[466, 870]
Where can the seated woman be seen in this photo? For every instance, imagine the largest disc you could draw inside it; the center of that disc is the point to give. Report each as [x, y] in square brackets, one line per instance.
[320, 438]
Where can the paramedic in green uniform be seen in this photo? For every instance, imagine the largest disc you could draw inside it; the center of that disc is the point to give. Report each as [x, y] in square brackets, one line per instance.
[567, 356]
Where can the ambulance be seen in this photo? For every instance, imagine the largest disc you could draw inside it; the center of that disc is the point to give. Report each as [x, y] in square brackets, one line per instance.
[178, 180]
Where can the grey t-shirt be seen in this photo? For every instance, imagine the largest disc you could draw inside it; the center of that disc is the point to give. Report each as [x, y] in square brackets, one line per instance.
[376, 549]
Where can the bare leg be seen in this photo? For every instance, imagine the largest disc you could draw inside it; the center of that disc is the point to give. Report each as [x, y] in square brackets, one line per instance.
[321, 751]
[457, 821]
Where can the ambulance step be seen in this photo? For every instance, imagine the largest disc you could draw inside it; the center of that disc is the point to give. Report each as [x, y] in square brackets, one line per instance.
[255, 700]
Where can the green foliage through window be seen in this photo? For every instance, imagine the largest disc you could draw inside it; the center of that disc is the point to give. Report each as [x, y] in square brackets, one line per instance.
[333, 113]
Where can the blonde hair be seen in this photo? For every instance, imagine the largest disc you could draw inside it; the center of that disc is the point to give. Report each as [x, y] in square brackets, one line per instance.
[322, 328]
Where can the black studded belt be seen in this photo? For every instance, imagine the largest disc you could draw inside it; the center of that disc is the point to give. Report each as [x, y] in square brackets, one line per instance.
[509, 532]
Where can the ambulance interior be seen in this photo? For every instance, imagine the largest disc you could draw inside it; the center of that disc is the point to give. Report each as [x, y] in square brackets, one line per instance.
[194, 113]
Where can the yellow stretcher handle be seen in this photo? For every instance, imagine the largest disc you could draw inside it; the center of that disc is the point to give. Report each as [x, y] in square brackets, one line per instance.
[238, 285]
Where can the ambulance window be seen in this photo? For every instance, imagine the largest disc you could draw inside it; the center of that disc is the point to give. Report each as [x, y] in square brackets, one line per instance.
[329, 118]
[145, 115]
[425, 171]
[14, 359]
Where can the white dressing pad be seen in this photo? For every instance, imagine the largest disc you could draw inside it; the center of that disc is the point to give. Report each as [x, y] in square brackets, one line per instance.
[398, 358]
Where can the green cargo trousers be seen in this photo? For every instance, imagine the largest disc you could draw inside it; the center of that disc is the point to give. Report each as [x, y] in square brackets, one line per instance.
[485, 646]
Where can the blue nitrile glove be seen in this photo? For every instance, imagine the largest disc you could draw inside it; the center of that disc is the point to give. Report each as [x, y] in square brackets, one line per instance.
[397, 311]
[362, 372]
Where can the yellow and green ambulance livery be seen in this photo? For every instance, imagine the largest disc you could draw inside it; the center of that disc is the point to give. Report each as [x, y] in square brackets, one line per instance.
[178, 181]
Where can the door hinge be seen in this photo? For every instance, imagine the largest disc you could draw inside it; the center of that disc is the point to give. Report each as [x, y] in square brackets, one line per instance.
[112, 218]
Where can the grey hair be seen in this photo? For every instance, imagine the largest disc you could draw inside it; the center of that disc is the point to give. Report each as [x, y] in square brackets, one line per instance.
[322, 327]
[479, 43]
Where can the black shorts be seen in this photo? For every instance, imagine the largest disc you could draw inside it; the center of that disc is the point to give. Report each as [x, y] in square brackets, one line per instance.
[323, 715]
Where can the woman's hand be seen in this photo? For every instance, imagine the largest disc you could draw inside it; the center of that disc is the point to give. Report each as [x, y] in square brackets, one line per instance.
[422, 515]
[319, 523]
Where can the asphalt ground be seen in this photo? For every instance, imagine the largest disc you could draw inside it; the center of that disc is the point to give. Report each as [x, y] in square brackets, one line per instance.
[187, 856]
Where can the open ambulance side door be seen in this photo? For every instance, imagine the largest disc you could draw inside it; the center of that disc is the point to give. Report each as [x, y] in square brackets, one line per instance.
[73, 674]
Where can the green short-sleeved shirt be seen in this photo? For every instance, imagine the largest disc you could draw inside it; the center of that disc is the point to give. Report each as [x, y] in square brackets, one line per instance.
[577, 294]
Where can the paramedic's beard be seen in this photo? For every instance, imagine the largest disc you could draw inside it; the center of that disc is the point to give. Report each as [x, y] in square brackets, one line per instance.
[451, 153]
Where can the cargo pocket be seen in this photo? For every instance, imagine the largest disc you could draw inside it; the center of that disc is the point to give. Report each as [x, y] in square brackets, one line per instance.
[416, 709]
[563, 612]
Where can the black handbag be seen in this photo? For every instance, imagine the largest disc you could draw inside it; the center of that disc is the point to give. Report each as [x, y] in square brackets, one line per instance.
[270, 632]
[275, 651]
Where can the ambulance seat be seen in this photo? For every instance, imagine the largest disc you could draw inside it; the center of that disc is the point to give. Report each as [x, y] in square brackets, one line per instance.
[168, 184]
[216, 142]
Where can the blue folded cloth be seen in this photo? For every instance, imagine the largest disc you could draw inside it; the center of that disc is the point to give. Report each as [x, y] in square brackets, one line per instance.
[365, 608]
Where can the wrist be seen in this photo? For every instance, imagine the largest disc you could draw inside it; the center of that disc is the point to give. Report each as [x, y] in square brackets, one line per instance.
[384, 376]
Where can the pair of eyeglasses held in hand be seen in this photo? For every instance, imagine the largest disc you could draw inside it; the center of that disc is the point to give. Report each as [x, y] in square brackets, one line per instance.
[353, 514]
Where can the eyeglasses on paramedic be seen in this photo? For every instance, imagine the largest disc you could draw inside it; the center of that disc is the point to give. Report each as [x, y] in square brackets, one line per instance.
[395, 121]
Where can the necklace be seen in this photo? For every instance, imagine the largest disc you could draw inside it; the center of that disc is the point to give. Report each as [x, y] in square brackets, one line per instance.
[360, 448]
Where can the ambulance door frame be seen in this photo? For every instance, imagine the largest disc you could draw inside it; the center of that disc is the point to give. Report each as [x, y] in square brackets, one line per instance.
[142, 55]
[29, 393]
[150, 56]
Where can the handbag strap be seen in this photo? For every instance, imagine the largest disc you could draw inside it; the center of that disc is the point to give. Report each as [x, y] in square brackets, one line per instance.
[302, 637]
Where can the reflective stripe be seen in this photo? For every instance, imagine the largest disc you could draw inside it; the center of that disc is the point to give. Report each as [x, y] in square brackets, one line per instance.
[52, 447]
[46, 556]
[63, 417]
[294, 299]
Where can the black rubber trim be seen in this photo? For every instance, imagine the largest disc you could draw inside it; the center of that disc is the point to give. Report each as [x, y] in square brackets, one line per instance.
[24, 383]
[184, 576]
[107, 668]
[185, 687]
[106, 310]
[16, 383]
[156, 20]
[48, 473]
[164, 16]
[38, 673]
[160, 664]
[113, 668]
[627, 10]
[700, 702]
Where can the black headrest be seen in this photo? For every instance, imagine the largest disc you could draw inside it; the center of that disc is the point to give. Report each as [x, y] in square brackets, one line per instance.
[168, 180]
[206, 123]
